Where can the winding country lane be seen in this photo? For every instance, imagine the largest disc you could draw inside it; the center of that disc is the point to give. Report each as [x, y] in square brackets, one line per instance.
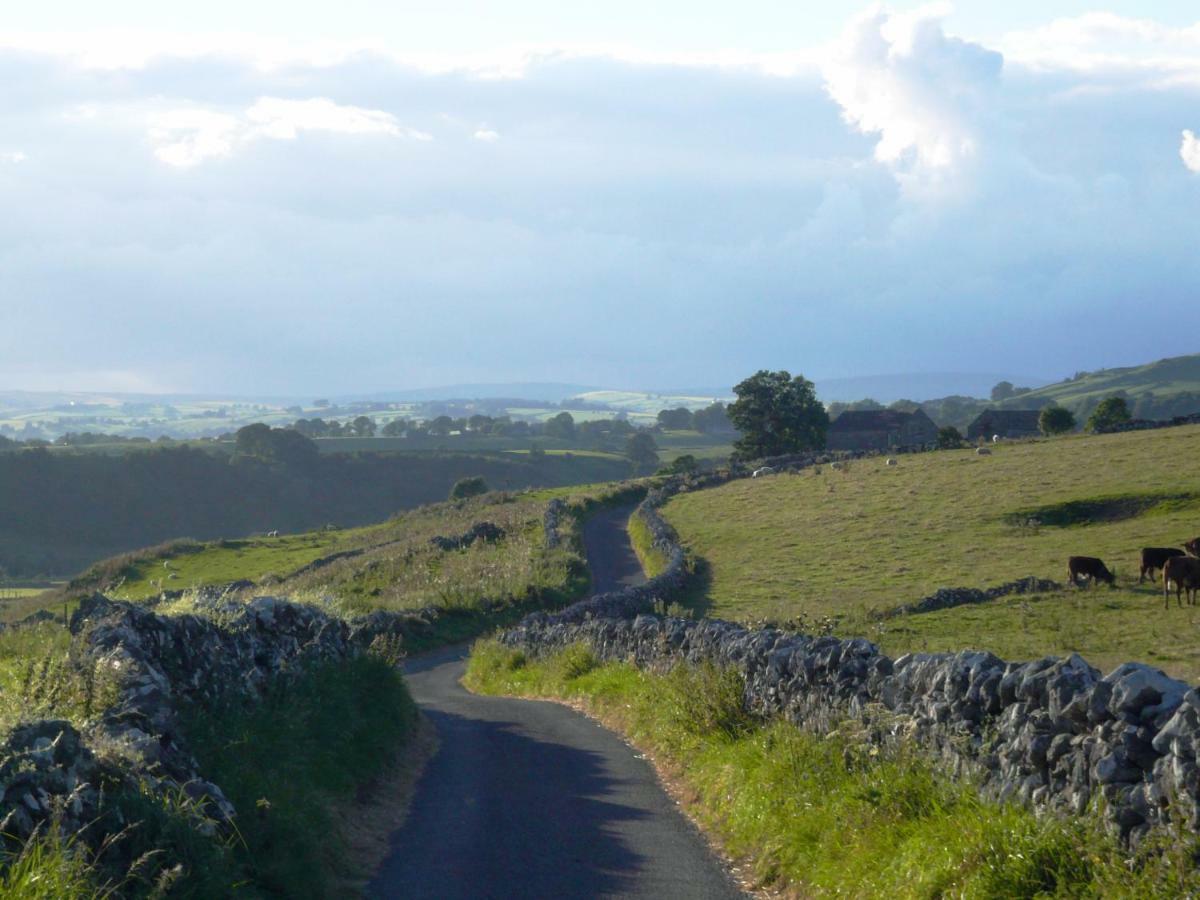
[531, 799]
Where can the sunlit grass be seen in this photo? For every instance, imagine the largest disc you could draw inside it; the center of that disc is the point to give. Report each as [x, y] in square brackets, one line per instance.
[869, 538]
[831, 815]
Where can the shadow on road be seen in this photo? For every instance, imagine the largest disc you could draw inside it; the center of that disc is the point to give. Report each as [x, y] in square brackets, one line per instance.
[494, 821]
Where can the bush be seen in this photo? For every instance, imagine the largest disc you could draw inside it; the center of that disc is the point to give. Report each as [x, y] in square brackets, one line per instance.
[1111, 412]
[681, 465]
[1056, 420]
[468, 487]
[949, 438]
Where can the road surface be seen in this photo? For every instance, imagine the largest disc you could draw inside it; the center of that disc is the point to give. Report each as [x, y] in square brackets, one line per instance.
[531, 799]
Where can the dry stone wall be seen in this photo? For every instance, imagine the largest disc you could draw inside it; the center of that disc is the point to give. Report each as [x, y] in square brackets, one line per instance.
[50, 767]
[160, 663]
[1053, 733]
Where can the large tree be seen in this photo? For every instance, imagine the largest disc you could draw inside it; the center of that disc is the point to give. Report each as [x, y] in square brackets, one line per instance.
[777, 413]
[1111, 412]
[641, 450]
[1056, 420]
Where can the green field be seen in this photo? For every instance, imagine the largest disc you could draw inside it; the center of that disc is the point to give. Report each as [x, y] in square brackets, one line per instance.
[1163, 378]
[834, 549]
[391, 566]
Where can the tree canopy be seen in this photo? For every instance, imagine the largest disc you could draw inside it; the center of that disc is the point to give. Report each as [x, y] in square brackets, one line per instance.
[641, 449]
[468, 487]
[777, 413]
[1111, 412]
[1056, 420]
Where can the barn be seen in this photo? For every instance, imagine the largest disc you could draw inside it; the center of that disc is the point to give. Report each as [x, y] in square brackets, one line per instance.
[1008, 423]
[881, 429]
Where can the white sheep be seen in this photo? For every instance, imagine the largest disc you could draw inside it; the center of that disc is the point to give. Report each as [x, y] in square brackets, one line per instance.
[765, 470]
[892, 462]
[983, 451]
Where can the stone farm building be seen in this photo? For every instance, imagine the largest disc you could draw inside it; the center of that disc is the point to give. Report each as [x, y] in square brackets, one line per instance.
[880, 429]
[1008, 423]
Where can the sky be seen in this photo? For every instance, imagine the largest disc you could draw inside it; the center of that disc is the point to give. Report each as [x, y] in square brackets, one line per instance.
[276, 198]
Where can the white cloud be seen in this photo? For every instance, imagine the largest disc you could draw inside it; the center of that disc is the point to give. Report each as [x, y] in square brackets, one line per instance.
[284, 119]
[1189, 151]
[921, 91]
[636, 191]
[133, 49]
[485, 134]
[1098, 41]
[13, 156]
[186, 137]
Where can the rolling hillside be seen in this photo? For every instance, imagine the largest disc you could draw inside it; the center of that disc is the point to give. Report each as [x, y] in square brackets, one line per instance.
[1157, 390]
[839, 548]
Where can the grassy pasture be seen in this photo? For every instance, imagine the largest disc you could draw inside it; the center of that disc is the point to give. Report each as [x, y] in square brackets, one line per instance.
[392, 565]
[844, 546]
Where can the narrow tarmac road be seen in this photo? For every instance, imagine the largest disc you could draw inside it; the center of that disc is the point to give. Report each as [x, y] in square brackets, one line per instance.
[531, 799]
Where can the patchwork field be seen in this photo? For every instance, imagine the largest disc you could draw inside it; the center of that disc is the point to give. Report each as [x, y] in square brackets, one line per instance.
[837, 548]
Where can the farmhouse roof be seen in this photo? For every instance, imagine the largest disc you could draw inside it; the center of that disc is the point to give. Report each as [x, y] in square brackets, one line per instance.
[873, 419]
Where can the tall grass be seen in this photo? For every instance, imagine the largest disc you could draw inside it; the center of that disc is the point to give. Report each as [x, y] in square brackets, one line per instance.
[836, 815]
[43, 675]
[286, 761]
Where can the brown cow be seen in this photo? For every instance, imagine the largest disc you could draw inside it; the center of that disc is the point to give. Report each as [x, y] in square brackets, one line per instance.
[1184, 571]
[1192, 546]
[1088, 566]
[1154, 557]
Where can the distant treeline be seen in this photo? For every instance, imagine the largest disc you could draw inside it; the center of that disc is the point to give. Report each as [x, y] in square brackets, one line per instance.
[711, 419]
[63, 511]
[959, 411]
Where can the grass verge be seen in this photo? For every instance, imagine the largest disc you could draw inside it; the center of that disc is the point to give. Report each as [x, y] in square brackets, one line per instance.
[833, 815]
[653, 561]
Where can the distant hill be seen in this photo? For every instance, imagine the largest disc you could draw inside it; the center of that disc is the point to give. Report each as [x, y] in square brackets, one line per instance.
[918, 386]
[1157, 390]
[551, 391]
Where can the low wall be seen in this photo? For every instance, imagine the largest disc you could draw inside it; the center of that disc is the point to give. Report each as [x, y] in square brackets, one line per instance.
[1053, 733]
[159, 663]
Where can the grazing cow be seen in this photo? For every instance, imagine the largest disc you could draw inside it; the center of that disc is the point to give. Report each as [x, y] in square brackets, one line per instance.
[765, 470]
[1184, 572]
[1192, 546]
[1089, 567]
[1154, 557]
[983, 451]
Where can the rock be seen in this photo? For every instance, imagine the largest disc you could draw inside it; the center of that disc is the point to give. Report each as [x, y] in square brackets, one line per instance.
[1113, 769]
[1137, 686]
